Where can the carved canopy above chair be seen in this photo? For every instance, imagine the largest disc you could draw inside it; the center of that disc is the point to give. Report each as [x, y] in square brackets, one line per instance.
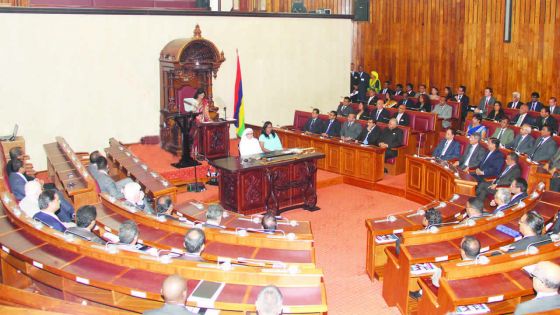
[186, 64]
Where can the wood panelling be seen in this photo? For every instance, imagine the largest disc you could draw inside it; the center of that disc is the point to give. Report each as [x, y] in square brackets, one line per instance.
[336, 6]
[460, 42]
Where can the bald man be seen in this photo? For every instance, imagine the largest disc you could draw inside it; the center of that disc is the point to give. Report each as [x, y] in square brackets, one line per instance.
[546, 282]
[174, 292]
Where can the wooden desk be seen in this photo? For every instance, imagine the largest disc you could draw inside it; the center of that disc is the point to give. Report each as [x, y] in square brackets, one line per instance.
[214, 139]
[361, 165]
[427, 180]
[128, 165]
[68, 174]
[255, 185]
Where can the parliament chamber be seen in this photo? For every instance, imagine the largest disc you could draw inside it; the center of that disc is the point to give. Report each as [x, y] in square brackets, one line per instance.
[216, 157]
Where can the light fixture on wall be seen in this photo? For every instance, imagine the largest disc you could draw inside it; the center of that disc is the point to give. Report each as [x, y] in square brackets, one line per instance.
[507, 21]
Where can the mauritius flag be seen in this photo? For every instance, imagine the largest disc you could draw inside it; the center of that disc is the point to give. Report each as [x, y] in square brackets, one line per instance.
[239, 109]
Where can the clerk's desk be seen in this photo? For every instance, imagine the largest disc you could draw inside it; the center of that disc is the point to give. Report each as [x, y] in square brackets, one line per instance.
[273, 181]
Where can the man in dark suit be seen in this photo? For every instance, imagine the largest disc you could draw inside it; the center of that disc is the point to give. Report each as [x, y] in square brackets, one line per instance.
[406, 102]
[545, 146]
[546, 282]
[474, 154]
[492, 163]
[462, 98]
[547, 120]
[363, 83]
[534, 104]
[523, 142]
[106, 183]
[504, 178]
[345, 108]
[531, 226]
[18, 180]
[515, 103]
[354, 77]
[16, 153]
[401, 116]
[49, 203]
[410, 90]
[380, 114]
[448, 148]
[518, 189]
[387, 88]
[390, 138]
[370, 135]
[502, 199]
[85, 222]
[399, 90]
[552, 106]
[314, 124]
[351, 129]
[553, 167]
[194, 244]
[371, 98]
[332, 126]
[485, 103]
[174, 292]
[523, 117]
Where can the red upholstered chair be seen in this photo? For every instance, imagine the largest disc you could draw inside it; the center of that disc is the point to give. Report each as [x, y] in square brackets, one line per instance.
[463, 142]
[490, 126]
[300, 118]
[525, 167]
[510, 112]
[3, 172]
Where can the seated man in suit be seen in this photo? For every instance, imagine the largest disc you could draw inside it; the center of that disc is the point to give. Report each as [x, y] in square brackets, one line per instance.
[504, 134]
[448, 148]
[135, 198]
[344, 109]
[402, 116]
[547, 120]
[16, 153]
[545, 146]
[269, 301]
[164, 208]
[546, 282]
[421, 90]
[531, 227]
[523, 117]
[351, 129]
[370, 135]
[444, 111]
[474, 154]
[534, 104]
[399, 89]
[504, 179]
[486, 102]
[380, 114]
[518, 189]
[85, 222]
[92, 167]
[214, 216]
[470, 248]
[474, 210]
[552, 106]
[515, 102]
[174, 292]
[406, 102]
[194, 244]
[106, 183]
[49, 203]
[128, 239]
[502, 199]
[332, 126]
[269, 222]
[523, 142]
[390, 138]
[410, 90]
[387, 88]
[492, 163]
[371, 98]
[18, 181]
[314, 124]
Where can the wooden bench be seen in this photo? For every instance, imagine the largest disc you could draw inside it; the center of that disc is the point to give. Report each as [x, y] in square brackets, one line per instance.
[128, 165]
[443, 245]
[68, 174]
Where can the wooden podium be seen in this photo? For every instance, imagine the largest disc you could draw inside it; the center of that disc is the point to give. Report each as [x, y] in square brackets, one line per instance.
[214, 139]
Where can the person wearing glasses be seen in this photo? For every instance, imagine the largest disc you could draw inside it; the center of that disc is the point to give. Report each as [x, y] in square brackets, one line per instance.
[546, 282]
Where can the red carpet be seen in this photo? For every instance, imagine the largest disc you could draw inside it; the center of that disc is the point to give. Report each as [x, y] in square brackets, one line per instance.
[338, 228]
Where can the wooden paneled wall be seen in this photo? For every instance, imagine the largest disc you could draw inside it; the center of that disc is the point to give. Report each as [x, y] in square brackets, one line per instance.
[336, 6]
[460, 42]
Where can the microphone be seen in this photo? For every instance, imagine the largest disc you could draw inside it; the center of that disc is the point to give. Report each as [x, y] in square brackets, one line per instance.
[468, 222]
[454, 197]
[418, 212]
[480, 259]
[441, 205]
[390, 218]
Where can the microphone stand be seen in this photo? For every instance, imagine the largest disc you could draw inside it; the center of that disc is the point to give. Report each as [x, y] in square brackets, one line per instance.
[196, 186]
